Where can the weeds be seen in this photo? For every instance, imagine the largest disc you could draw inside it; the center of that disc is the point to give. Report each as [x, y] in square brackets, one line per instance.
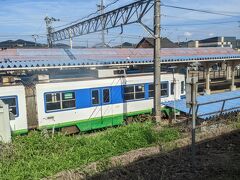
[36, 155]
[168, 134]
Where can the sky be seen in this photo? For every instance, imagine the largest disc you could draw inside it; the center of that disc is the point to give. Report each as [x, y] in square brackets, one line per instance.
[20, 19]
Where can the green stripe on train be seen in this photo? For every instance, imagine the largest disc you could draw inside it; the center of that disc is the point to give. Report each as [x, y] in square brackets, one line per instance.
[96, 123]
[19, 132]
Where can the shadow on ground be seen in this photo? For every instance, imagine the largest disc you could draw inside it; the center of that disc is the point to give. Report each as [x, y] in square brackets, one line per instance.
[216, 159]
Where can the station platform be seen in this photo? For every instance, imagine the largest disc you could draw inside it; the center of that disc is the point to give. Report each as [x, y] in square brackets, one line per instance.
[210, 106]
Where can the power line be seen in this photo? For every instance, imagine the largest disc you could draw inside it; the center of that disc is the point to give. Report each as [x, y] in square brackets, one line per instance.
[199, 24]
[199, 10]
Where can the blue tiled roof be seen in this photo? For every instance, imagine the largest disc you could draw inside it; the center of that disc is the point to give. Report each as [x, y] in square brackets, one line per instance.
[206, 111]
[48, 58]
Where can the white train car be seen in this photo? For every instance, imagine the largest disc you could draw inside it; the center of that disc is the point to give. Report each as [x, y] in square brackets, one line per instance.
[86, 103]
[14, 96]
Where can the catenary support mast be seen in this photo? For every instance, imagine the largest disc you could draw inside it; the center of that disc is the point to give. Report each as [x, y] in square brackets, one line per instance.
[101, 8]
[157, 61]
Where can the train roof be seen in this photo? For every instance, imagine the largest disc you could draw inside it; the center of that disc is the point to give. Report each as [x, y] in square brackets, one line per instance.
[81, 77]
[86, 76]
[16, 59]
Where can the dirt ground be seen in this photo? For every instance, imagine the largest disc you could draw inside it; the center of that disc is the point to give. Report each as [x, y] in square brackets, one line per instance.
[215, 159]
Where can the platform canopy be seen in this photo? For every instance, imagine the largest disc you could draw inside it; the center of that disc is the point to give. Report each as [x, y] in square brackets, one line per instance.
[15, 59]
[210, 106]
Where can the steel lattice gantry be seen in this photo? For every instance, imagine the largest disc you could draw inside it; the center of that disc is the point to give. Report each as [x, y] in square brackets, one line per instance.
[125, 15]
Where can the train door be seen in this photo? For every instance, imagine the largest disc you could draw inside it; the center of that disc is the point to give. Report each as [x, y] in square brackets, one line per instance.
[102, 112]
[96, 116]
[107, 108]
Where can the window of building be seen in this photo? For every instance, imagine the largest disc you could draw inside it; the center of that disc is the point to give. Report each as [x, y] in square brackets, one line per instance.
[60, 101]
[106, 96]
[182, 87]
[12, 104]
[164, 90]
[132, 92]
[95, 97]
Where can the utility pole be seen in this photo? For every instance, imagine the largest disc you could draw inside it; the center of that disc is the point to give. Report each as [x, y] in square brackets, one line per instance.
[194, 110]
[101, 8]
[49, 28]
[191, 102]
[157, 61]
[35, 36]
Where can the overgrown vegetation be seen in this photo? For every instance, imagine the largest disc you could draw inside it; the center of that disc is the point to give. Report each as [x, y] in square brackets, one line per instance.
[37, 155]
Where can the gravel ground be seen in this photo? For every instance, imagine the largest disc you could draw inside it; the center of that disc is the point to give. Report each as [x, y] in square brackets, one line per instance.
[216, 159]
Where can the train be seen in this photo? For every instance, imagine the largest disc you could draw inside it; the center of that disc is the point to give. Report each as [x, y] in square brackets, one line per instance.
[85, 103]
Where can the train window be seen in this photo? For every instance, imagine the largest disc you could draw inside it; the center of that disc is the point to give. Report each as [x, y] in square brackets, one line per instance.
[53, 97]
[12, 104]
[134, 92]
[164, 89]
[106, 96]
[129, 89]
[182, 87]
[60, 100]
[128, 97]
[95, 97]
[68, 100]
[151, 90]
[53, 101]
[53, 106]
[139, 92]
[128, 93]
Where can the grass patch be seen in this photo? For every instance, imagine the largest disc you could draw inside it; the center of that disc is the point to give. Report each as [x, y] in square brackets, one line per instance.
[168, 134]
[36, 156]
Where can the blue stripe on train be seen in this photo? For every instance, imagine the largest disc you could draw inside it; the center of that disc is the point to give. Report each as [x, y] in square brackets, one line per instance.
[84, 99]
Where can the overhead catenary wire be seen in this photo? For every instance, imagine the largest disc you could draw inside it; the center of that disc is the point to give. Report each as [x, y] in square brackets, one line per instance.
[200, 10]
[200, 24]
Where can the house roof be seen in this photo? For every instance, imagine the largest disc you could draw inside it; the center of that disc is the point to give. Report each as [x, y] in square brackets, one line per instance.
[165, 42]
[13, 59]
